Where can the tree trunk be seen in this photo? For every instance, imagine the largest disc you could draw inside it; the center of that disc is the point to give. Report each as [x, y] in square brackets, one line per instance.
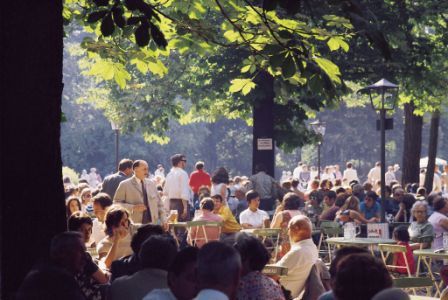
[263, 130]
[32, 196]
[412, 145]
[432, 150]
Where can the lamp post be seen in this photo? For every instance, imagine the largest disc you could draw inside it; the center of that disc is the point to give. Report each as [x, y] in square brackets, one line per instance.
[116, 128]
[383, 95]
[319, 129]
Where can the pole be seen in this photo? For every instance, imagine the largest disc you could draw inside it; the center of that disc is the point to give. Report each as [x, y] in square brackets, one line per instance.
[117, 154]
[383, 164]
[318, 160]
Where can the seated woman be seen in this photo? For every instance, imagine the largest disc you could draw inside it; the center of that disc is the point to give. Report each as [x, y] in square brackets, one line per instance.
[73, 204]
[206, 214]
[370, 209]
[91, 276]
[420, 227]
[349, 212]
[291, 207]
[229, 226]
[119, 231]
[253, 217]
[254, 284]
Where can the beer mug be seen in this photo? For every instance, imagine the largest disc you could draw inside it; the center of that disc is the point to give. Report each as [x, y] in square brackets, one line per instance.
[173, 216]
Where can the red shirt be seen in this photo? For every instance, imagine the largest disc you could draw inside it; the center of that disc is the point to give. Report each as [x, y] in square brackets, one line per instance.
[401, 262]
[199, 178]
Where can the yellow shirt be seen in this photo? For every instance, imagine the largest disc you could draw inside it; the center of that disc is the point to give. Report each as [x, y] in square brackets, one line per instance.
[229, 224]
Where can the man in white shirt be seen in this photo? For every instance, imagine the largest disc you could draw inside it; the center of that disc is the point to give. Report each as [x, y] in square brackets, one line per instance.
[302, 256]
[375, 174]
[218, 271]
[297, 170]
[176, 187]
[253, 217]
[350, 174]
[390, 175]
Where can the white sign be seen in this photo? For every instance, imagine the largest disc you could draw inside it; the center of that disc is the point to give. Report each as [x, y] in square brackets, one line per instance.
[264, 144]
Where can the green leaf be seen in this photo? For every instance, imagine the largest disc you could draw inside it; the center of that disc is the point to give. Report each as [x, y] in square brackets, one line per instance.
[289, 67]
[243, 85]
[329, 68]
[231, 35]
[245, 69]
[157, 68]
[334, 43]
[276, 60]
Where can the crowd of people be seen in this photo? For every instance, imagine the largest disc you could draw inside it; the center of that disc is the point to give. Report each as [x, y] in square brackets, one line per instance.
[119, 243]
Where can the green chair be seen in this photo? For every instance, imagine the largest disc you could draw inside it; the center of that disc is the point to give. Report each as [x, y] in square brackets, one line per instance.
[270, 237]
[413, 283]
[275, 270]
[328, 229]
[197, 232]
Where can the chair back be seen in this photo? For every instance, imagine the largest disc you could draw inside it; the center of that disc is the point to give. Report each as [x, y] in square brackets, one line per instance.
[424, 239]
[199, 232]
[270, 238]
[412, 282]
[386, 250]
[275, 270]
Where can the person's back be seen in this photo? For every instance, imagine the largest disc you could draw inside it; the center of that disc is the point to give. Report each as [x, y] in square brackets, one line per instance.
[196, 234]
[156, 255]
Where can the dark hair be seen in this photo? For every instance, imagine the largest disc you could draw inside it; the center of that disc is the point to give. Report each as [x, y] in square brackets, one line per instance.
[176, 159]
[207, 203]
[408, 200]
[291, 201]
[401, 233]
[218, 197]
[295, 183]
[326, 184]
[349, 165]
[220, 175]
[77, 219]
[124, 164]
[360, 276]
[439, 203]
[103, 200]
[65, 242]
[432, 197]
[317, 195]
[67, 205]
[183, 258]
[340, 190]
[199, 165]
[340, 199]
[331, 194]
[372, 195]
[113, 218]
[251, 250]
[142, 234]
[251, 195]
[158, 252]
[260, 167]
[388, 189]
[340, 254]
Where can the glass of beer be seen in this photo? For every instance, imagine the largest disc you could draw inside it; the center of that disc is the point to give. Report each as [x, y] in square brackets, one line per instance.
[173, 216]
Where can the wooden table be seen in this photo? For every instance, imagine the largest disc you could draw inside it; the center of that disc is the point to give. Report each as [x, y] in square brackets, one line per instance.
[427, 255]
[359, 242]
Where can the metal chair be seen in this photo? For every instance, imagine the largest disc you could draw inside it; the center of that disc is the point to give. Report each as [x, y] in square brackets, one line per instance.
[413, 283]
[328, 229]
[198, 235]
[386, 250]
[270, 237]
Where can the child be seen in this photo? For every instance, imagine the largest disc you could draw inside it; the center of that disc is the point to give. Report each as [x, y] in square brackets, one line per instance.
[401, 235]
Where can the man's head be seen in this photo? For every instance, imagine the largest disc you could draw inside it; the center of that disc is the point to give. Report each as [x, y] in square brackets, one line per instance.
[199, 165]
[440, 205]
[291, 201]
[82, 223]
[396, 167]
[100, 204]
[218, 201]
[207, 204]
[299, 228]
[398, 194]
[141, 169]
[253, 199]
[67, 250]
[349, 165]
[157, 252]
[330, 198]
[179, 160]
[219, 268]
[143, 233]
[125, 166]
[370, 199]
[181, 274]
[378, 164]
[315, 184]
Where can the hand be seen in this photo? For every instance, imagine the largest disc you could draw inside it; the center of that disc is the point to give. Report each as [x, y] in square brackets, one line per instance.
[184, 215]
[139, 207]
[119, 233]
[165, 226]
[402, 206]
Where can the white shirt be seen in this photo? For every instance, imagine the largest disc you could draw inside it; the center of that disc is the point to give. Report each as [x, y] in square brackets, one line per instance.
[209, 294]
[159, 172]
[299, 261]
[296, 172]
[256, 219]
[97, 231]
[374, 175]
[350, 174]
[176, 184]
[437, 183]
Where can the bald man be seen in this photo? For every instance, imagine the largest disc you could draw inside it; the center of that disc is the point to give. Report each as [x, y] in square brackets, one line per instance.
[302, 256]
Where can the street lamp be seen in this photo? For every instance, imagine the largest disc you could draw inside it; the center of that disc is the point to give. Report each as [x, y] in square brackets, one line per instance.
[116, 128]
[319, 129]
[383, 97]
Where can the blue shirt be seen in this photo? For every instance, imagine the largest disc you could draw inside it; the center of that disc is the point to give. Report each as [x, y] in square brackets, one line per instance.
[370, 212]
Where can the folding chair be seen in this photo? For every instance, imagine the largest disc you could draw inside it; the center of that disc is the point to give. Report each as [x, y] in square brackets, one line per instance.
[275, 270]
[386, 250]
[328, 229]
[198, 235]
[423, 239]
[270, 238]
[413, 283]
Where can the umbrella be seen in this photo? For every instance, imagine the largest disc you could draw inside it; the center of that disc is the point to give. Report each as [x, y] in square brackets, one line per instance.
[424, 162]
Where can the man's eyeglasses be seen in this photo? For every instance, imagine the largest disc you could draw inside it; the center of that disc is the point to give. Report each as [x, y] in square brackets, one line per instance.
[183, 160]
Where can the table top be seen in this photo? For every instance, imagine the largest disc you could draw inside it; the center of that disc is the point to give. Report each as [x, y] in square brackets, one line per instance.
[430, 253]
[178, 224]
[359, 241]
[414, 297]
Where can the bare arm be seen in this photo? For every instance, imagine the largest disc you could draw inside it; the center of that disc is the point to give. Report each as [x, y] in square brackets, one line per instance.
[278, 218]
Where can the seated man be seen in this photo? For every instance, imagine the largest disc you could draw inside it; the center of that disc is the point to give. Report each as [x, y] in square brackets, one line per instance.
[253, 217]
[301, 257]
[370, 209]
[206, 214]
[229, 226]
[156, 255]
